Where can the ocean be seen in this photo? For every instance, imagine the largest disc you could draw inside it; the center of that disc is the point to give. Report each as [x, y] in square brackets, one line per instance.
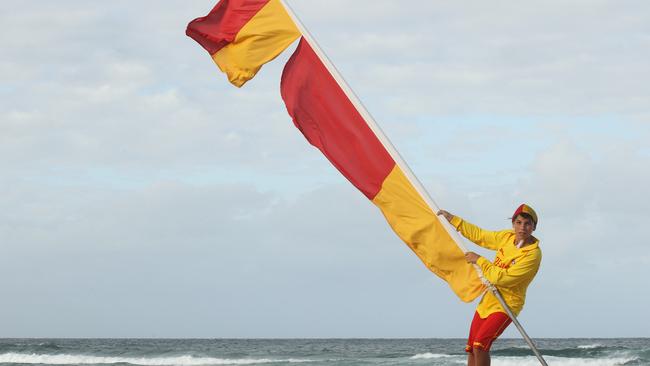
[315, 352]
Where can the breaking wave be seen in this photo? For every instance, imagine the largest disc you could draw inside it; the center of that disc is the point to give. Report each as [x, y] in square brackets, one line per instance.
[63, 359]
[426, 356]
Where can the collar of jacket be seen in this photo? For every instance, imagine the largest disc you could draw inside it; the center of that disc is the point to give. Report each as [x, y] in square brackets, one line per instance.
[528, 247]
[532, 246]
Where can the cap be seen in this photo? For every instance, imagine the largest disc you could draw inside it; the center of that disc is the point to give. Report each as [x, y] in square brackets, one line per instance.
[524, 208]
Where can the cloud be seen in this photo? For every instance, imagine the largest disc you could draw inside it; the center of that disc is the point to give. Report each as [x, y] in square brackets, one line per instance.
[143, 195]
[498, 59]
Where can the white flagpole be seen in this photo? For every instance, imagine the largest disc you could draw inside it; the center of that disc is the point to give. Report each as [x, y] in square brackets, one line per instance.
[371, 123]
[374, 126]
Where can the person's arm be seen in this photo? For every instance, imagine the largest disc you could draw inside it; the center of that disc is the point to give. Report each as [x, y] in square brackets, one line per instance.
[485, 238]
[522, 270]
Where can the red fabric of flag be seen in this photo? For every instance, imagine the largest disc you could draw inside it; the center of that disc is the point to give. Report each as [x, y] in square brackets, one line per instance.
[329, 121]
[220, 27]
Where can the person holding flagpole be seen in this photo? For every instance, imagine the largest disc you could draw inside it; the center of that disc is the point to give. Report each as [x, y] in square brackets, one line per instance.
[516, 263]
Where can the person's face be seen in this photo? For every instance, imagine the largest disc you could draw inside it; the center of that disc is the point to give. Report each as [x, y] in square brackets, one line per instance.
[523, 228]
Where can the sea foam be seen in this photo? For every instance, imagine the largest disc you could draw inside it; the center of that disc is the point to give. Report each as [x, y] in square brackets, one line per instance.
[64, 359]
[426, 356]
[590, 346]
[561, 361]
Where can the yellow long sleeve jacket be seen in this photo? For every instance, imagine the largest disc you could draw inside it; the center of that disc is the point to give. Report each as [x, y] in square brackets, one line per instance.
[511, 272]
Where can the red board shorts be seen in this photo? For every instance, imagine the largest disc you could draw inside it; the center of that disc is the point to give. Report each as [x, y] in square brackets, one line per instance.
[484, 331]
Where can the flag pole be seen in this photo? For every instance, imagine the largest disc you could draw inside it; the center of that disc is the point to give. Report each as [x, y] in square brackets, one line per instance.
[374, 126]
[517, 324]
[370, 121]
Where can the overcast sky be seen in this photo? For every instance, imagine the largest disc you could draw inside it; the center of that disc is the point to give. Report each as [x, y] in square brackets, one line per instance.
[144, 196]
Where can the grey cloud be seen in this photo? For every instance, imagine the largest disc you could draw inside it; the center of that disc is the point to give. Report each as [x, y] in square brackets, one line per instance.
[239, 261]
[504, 58]
[144, 196]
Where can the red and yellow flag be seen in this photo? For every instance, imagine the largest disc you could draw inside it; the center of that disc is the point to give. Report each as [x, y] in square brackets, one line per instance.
[329, 121]
[241, 36]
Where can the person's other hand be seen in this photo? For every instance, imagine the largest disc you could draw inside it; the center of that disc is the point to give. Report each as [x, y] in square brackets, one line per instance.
[446, 215]
[471, 257]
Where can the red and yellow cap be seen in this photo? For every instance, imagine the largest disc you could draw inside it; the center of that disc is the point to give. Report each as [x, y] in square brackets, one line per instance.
[524, 208]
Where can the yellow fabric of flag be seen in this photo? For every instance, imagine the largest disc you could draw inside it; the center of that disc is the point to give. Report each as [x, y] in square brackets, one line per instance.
[420, 228]
[261, 40]
[241, 35]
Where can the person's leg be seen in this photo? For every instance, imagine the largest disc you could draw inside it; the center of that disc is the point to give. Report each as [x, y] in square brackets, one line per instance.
[476, 324]
[470, 359]
[481, 358]
[491, 328]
